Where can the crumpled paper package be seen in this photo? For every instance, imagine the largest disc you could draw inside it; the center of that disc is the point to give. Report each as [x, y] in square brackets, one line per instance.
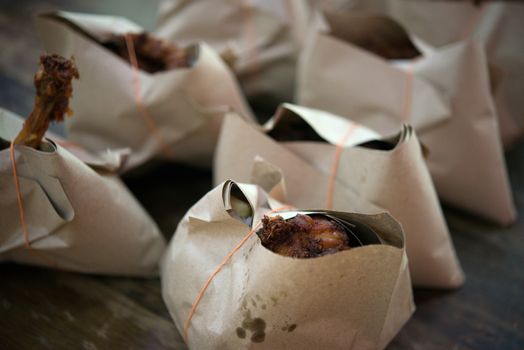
[77, 218]
[185, 104]
[262, 300]
[373, 173]
[445, 94]
[261, 39]
[497, 25]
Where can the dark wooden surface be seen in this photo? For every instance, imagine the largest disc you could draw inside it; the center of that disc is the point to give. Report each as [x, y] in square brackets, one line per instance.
[46, 309]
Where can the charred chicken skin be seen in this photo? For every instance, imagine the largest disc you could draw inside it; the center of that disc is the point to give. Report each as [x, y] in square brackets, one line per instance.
[53, 83]
[303, 236]
[152, 54]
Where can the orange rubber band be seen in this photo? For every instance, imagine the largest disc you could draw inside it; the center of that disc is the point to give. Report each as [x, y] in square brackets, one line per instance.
[408, 82]
[218, 269]
[21, 211]
[250, 36]
[19, 196]
[334, 166]
[149, 120]
[408, 93]
[251, 33]
[406, 111]
[472, 24]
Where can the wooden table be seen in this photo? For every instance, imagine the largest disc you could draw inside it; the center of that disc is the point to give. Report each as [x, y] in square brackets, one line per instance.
[42, 309]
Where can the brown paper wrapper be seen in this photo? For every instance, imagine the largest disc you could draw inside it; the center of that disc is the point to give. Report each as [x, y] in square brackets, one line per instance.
[448, 99]
[497, 26]
[355, 299]
[186, 104]
[369, 179]
[264, 37]
[77, 219]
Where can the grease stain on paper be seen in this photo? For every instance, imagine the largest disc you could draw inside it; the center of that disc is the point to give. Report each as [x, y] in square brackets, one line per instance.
[257, 327]
[241, 332]
[289, 328]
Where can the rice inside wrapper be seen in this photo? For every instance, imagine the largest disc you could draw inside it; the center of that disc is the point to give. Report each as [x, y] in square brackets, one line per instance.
[445, 94]
[496, 25]
[186, 104]
[355, 299]
[368, 178]
[261, 38]
[77, 218]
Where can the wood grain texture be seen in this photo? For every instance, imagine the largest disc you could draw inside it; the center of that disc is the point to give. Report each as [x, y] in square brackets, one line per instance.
[46, 309]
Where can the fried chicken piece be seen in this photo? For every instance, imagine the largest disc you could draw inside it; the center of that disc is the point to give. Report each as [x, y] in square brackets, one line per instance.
[303, 236]
[53, 83]
[152, 54]
[378, 34]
